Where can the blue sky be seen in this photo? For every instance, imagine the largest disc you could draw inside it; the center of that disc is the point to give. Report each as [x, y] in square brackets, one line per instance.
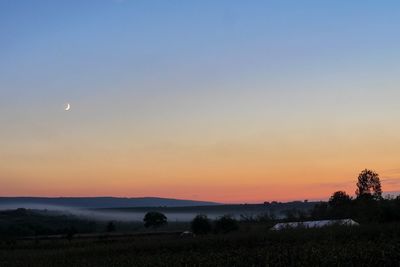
[75, 48]
[183, 76]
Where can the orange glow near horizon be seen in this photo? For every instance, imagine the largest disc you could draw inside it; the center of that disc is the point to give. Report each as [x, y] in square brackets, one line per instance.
[226, 172]
[209, 100]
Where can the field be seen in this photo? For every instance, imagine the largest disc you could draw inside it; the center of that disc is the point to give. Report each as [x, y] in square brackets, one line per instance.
[252, 245]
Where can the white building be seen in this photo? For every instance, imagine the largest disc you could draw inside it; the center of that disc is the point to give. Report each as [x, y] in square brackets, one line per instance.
[314, 224]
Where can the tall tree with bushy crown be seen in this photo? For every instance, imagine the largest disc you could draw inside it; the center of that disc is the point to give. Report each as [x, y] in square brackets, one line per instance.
[369, 184]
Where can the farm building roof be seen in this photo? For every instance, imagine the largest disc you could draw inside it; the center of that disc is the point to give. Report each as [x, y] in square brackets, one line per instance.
[314, 224]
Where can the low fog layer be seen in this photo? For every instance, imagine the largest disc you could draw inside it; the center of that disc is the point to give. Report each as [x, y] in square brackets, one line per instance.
[109, 215]
[183, 213]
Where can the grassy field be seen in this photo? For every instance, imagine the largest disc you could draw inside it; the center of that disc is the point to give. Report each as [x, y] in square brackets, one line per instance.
[252, 245]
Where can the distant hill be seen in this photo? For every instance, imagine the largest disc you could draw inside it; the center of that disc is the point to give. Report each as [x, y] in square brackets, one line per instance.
[100, 202]
[228, 208]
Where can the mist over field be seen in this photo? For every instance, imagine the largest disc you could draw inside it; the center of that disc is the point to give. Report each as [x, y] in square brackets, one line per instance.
[108, 215]
[174, 214]
[94, 214]
[79, 212]
[106, 208]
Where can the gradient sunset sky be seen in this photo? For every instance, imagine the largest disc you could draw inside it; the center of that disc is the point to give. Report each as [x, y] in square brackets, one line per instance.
[229, 101]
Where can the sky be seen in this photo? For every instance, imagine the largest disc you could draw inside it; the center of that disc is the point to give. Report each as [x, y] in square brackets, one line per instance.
[228, 101]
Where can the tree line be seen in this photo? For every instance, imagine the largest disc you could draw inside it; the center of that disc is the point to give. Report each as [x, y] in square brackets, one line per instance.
[201, 224]
[368, 205]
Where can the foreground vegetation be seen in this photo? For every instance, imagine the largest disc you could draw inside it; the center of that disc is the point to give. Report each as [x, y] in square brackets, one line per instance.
[252, 245]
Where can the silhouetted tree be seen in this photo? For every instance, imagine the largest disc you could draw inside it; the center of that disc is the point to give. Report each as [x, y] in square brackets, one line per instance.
[201, 225]
[110, 227]
[340, 205]
[154, 219]
[226, 224]
[369, 185]
[320, 211]
[339, 199]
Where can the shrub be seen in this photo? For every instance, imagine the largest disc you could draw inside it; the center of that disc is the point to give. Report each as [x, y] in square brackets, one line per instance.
[226, 224]
[201, 225]
[154, 219]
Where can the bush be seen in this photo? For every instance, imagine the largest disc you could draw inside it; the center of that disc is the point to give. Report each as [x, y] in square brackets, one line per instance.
[154, 219]
[201, 225]
[226, 224]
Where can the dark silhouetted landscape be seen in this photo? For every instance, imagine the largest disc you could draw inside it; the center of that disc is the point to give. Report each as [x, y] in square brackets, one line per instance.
[208, 235]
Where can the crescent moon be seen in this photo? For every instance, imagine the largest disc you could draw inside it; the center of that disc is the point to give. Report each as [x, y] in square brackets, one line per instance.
[68, 107]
